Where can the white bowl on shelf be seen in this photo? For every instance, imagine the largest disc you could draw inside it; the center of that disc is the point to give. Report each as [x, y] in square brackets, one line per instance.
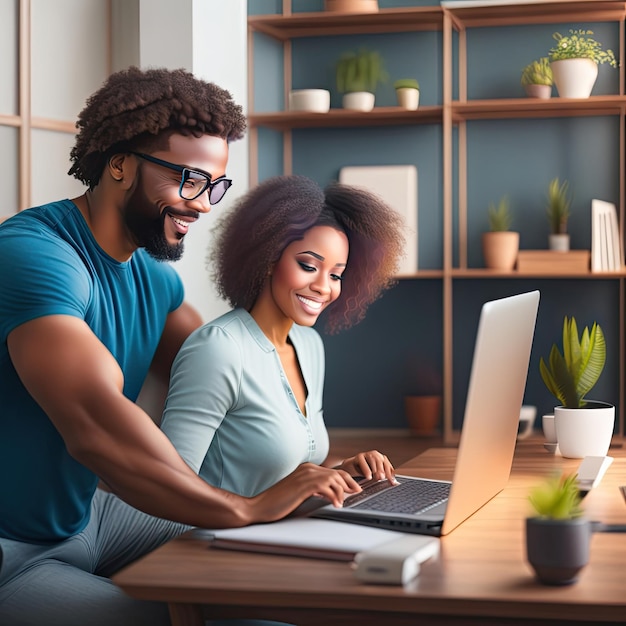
[313, 100]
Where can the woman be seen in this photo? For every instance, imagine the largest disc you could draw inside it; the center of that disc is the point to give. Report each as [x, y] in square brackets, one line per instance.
[244, 407]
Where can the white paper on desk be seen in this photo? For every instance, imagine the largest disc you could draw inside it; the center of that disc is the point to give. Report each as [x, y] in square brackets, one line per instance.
[317, 538]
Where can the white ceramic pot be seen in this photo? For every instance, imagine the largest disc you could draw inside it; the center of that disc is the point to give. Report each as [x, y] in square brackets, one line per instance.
[558, 242]
[314, 100]
[574, 78]
[408, 98]
[358, 101]
[584, 432]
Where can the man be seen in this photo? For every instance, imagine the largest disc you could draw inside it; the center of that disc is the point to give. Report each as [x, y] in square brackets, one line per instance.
[86, 309]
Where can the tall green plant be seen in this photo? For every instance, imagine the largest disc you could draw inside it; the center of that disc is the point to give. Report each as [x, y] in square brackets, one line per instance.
[571, 375]
[559, 202]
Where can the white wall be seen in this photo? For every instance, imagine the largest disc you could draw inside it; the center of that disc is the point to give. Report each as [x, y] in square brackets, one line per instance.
[209, 38]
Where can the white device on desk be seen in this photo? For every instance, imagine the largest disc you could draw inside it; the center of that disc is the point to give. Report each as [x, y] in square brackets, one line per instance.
[395, 562]
[591, 471]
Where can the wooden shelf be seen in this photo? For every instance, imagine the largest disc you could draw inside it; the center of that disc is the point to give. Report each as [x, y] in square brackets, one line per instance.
[340, 118]
[536, 107]
[487, 273]
[533, 12]
[452, 19]
[320, 24]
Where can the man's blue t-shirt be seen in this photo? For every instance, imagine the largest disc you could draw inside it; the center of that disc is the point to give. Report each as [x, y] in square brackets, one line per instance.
[50, 264]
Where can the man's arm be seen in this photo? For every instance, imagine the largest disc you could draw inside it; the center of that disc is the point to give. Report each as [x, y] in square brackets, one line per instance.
[78, 383]
[179, 325]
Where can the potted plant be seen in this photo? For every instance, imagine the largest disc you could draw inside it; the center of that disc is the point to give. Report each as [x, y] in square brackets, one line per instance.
[500, 244]
[583, 427]
[557, 535]
[537, 78]
[358, 74]
[408, 93]
[351, 6]
[558, 209]
[574, 61]
[422, 405]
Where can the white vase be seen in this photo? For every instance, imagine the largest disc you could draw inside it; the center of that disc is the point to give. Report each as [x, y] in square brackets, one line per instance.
[358, 101]
[574, 78]
[584, 432]
[408, 98]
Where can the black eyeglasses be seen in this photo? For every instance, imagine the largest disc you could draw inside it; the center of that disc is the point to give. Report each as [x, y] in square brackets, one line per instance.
[192, 182]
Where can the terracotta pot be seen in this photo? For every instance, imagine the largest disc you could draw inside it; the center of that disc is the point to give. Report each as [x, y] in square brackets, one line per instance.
[351, 6]
[538, 91]
[500, 249]
[423, 414]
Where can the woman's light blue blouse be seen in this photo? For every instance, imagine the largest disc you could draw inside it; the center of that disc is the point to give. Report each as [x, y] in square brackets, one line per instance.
[230, 410]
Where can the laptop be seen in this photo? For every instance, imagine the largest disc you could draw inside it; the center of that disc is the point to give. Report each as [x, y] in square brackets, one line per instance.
[488, 435]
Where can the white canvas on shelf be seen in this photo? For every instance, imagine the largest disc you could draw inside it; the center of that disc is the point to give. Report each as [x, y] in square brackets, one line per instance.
[606, 249]
[397, 186]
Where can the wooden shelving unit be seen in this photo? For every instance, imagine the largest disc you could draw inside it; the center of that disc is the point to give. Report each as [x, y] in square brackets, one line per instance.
[453, 20]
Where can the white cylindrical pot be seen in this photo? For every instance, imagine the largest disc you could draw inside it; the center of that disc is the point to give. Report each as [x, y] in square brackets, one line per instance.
[408, 98]
[358, 101]
[574, 78]
[559, 242]
[584, 432]
[314, 100]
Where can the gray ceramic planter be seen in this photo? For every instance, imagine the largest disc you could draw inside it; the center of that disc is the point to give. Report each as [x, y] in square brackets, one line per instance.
[557, 549]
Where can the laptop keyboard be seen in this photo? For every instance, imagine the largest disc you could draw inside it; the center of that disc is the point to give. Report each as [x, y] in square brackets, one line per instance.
[411, 496]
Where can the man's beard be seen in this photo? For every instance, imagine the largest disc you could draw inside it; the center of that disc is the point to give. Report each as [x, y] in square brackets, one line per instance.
[157, 246]
[149, 232]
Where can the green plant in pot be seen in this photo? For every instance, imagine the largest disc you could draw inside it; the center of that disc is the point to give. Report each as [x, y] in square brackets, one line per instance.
[537, 78]
[360, 72]
[557, 534]
[583, 427]
[574, 61]
[500, 245]
[407, 92]
[558, 210]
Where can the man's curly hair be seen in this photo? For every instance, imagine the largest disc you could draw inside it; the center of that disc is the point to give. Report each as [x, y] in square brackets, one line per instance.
[135, 108]
[251, 237]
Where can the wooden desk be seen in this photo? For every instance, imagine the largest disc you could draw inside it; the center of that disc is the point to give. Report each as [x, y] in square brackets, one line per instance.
[481, 576]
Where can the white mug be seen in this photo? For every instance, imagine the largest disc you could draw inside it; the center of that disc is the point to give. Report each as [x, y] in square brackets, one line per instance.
[549, 429]
[526, 420]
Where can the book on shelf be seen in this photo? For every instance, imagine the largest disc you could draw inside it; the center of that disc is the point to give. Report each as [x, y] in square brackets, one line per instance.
[607, 253]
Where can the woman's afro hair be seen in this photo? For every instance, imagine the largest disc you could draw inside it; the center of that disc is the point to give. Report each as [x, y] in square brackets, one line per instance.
[135, 107]
[251, 237]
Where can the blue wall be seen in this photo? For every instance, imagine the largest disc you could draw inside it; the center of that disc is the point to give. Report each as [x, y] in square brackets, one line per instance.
[397, 349]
